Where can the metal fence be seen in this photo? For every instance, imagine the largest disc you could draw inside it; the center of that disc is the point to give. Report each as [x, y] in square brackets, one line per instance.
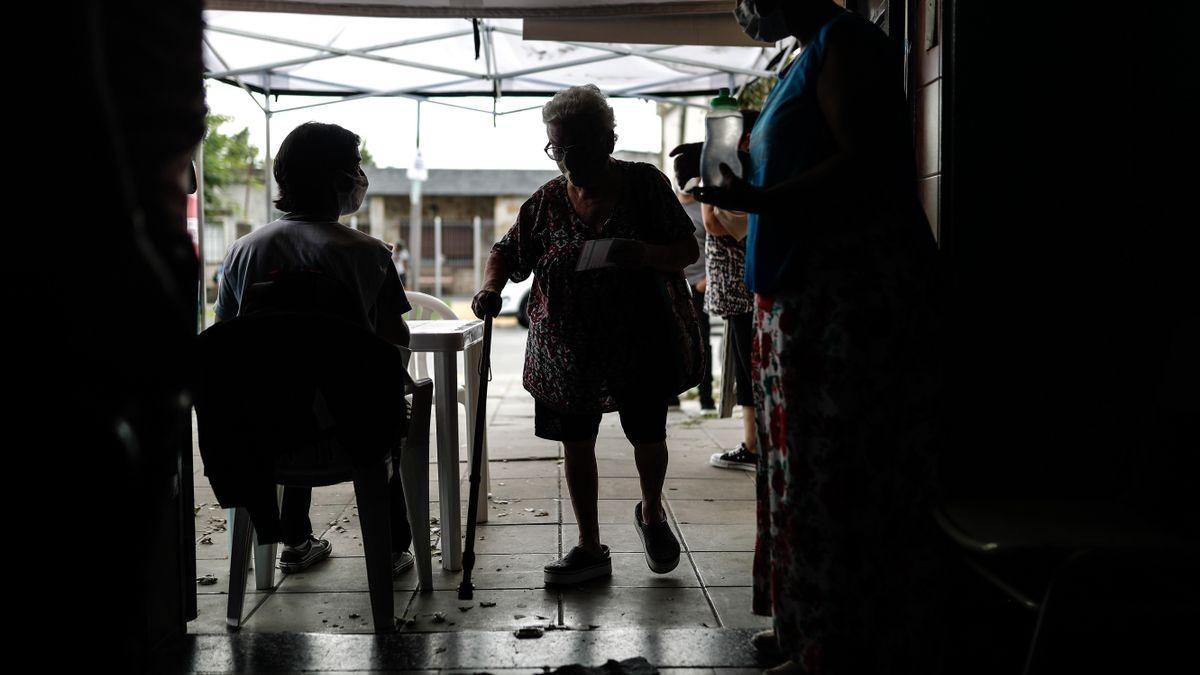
[462, 244]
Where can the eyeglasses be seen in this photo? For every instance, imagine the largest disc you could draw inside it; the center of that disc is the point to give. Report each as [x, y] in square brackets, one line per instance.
[559, 152]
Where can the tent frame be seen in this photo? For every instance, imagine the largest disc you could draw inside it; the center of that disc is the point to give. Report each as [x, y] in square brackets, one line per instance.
[491, 78]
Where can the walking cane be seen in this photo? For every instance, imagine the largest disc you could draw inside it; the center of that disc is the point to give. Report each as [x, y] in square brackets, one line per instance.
[466, 588]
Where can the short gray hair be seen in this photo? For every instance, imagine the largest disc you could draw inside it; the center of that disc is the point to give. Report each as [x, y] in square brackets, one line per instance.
[585, 103]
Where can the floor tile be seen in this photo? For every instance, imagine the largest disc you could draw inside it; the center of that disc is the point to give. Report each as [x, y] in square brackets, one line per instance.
[714, 512]
[513, 609]
[642, 607]
[505, 539]
[738, 537]
[318, 612]
[501, 470]
[515, 571]
[210, 616]
[339, 575]
[725, 569]
[525, 488]
[522, 511]
[703, 488]
[733, 606]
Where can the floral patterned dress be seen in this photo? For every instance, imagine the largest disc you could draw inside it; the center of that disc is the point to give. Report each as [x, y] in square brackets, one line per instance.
[847, 384]
[598, 335]
[845, 362]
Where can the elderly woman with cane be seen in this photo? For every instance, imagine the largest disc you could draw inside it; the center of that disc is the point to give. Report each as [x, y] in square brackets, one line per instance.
[612, 326]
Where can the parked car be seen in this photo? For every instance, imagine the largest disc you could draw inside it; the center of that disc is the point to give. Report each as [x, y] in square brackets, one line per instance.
[515, 300]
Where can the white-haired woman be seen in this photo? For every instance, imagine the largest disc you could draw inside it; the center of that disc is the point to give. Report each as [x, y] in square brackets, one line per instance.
[621, 338]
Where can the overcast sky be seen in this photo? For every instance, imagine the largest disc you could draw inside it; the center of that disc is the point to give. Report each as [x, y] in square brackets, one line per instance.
[450, 138]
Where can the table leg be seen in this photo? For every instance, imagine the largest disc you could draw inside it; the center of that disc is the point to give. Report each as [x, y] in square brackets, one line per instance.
[471, 359]
[445, 385]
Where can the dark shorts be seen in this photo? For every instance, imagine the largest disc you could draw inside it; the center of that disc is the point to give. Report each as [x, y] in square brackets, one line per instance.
[642, 421]
[743, 336]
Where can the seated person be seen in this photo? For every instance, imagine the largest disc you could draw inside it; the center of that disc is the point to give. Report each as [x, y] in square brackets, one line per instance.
[319, 178]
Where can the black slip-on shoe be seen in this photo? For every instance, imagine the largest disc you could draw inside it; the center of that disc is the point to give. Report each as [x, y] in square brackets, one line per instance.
[578, 566]
[299, 558]
[659, 542]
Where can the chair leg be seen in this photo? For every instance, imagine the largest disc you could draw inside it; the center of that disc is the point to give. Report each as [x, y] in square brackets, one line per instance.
[414, 476]
[229, 518]
[371, 491]
[239, 567]
[472, 359]
[264, 556]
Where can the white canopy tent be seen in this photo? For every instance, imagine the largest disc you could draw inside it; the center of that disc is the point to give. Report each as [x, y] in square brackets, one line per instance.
[440, 51]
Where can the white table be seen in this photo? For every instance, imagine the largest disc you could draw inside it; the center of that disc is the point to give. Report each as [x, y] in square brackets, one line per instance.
[445, 338]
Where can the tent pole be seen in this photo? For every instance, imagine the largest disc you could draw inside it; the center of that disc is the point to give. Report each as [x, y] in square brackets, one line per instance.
[267, 163]
[201, 226]
[437, 256]
[477, 248]
[232, 72]
[415, 245]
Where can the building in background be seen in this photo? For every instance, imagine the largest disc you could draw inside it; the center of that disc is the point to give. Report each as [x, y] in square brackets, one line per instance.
[457, 196]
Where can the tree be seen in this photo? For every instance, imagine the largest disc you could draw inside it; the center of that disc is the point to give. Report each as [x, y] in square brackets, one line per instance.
[228, 160]
[754, 93]
[367, 159]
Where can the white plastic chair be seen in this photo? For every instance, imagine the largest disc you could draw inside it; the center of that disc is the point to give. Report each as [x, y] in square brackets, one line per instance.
[425, 307]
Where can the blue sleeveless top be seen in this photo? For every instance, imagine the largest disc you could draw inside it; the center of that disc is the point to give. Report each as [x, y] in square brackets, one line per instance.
[789, 138]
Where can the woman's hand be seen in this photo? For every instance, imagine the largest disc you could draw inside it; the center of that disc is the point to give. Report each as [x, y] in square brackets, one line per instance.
[687, 162]
[735, 194]
[486, 302]
[627, 253]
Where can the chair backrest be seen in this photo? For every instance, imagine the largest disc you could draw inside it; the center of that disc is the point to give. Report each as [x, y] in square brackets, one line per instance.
[308, 291]
[424, 308]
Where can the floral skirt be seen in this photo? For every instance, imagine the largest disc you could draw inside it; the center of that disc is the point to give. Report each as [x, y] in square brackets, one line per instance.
[846, 385]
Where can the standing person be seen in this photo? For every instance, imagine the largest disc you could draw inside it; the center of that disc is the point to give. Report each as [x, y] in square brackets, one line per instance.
[400, 260]
[728, 297]
[697, 278]
[319, 178]
[841, 259]
[622, 338]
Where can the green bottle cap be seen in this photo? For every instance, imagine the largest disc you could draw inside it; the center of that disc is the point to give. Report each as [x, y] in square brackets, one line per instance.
[724, 100]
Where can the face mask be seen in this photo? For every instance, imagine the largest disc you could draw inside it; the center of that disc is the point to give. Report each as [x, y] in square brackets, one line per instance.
[576, 178]
[769, 28]
[351, 202]
[583, 166]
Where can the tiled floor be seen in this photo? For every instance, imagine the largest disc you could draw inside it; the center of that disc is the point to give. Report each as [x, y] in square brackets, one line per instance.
[712, 509]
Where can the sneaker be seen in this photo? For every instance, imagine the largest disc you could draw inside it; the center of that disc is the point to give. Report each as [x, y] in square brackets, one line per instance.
[737, 458]
[299, 558]
[402, 561]
[578, 566]
[659, 542]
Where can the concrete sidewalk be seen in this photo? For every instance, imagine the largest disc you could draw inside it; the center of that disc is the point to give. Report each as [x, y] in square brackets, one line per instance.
[712, 511]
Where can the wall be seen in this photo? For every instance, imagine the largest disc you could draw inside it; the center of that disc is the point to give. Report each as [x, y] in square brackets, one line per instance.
[1067, 261]
[926, 40]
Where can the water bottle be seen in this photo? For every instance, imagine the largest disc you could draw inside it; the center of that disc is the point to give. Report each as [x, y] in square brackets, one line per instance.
[723, 133]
